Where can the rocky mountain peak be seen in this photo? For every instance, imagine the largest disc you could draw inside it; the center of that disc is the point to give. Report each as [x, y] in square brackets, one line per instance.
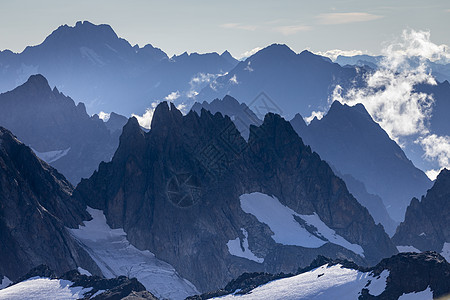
[426, 222]
[166, 117]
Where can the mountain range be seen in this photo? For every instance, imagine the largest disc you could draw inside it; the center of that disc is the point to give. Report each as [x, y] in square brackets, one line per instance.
[115, 76]
[232, 198]
[374, 168]
[439, 69]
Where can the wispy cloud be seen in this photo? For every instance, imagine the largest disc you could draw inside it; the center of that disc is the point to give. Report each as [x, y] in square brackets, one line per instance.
[291, 29]
[249, 53]
[345, 18]
[172, 96]
[239, 26]
[392, 100]
[333, 54]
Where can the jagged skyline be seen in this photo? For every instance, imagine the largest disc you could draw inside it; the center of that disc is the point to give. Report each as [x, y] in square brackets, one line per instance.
[178, 26]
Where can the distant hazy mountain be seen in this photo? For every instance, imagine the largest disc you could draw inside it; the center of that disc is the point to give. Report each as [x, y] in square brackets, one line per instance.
[93, 65]
[279, 80]
[59, 131]
[241, 115]
[352, 142]
[426, 225]
[439, 70]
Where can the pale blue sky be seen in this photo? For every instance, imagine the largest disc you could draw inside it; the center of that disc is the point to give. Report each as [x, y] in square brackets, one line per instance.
[238, 26]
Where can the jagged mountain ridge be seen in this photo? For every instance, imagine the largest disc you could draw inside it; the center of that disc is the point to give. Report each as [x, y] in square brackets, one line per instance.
[352, 142]
[426, 221]
[172, 197]
[419, 276]
[35, 208]
[51, 123]
[95, 58]
[277, 79]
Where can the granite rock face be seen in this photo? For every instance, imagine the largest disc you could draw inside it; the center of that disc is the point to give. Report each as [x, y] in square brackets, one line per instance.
[35, 209]
[176, 192]
[98, 288]
[426, 225]
[59, 131]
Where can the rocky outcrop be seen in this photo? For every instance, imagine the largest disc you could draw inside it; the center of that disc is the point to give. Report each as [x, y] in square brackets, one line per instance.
[59, 131]
[35, 209]
[98, 288]
[406, 273]
[426, 221]
[176, 192]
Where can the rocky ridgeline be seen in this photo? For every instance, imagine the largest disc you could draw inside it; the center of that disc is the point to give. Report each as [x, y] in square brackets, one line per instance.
[175, 190]
[408, 273]
[426, 225]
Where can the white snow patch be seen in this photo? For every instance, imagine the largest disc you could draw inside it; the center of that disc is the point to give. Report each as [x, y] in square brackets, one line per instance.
[286, 229]
[115, 256]
[423, 295]
[235, 248]
[446, 251]
[329, 234]
[84, 272]
[5, 282]
[378, 285]
[43, 288]
[323, 283]
[408, 249]
[51, 156]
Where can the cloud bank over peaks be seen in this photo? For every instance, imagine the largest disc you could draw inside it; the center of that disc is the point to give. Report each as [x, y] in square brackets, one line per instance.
[391, 99]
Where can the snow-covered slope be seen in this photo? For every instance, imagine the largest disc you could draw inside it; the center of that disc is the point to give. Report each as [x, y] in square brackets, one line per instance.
[43, 288]
[284, 222]
[325, 282]
[115, 256]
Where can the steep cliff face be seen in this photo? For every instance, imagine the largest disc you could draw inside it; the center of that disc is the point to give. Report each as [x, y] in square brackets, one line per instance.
[196, 194]
[426, 225]
[35, 207]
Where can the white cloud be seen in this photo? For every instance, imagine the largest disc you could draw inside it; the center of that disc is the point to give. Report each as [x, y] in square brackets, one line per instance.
[345, 18]
[249, 67]
[146, 119]
[199, 81]
[393, 102]
[315, 114]
[291, 29]
[103, 116]
[333, 54]
[233, 79]
[436, 148]
[249, 53]
[172, 96]
[239, 26]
